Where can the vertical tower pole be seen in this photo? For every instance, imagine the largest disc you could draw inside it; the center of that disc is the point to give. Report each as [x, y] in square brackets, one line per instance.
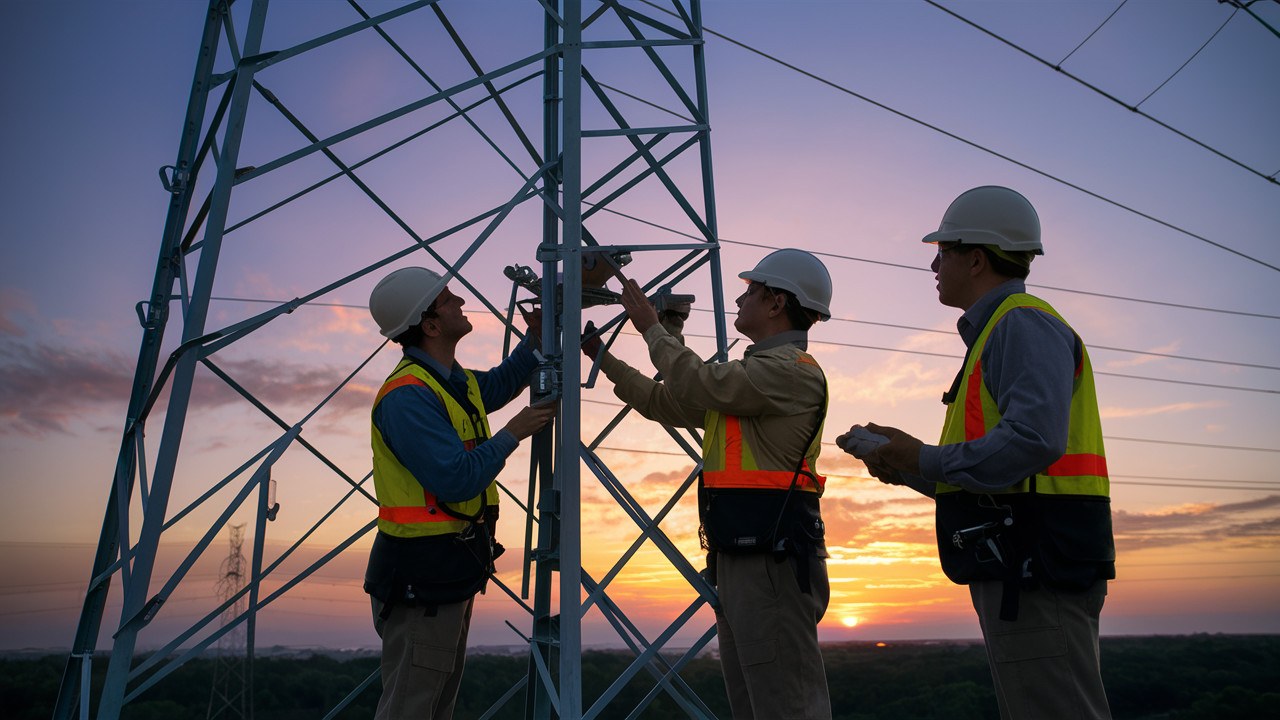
[570, 92]
[138, 609]
[568, 467]
[154, 315]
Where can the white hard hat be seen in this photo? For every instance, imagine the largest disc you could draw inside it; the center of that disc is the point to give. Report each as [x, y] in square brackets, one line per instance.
[991, 215]
[798, 272]
[398, 301]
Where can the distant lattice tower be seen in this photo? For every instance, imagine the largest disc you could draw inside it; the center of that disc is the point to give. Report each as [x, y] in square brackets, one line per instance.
[230, 681]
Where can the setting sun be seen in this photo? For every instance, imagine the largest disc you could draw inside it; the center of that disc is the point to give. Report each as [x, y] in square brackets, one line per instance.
[849, 621]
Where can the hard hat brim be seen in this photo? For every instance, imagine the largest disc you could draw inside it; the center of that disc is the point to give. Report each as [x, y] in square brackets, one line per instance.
[975, 237]
[772, 281]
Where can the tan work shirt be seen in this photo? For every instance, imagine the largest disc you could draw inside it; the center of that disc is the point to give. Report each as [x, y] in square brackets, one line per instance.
[776, 390]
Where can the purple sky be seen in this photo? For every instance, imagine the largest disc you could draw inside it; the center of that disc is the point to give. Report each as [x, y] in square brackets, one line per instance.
[95, 96]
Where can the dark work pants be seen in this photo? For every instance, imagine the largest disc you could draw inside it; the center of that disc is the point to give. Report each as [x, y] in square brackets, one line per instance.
[768, 633]
[422, 660]
[1046, 663]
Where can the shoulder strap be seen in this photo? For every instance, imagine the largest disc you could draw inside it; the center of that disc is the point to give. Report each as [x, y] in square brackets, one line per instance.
[463, 400]
[804, 453]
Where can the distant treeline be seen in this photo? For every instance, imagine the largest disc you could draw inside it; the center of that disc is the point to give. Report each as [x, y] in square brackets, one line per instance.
[1195, 677]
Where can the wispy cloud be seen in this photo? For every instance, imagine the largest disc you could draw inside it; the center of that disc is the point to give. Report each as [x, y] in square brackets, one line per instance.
[888, 382]
[1198, 523]
[1173, 409]
[45, 387]
[1136, 360]
[283, 384]
[14, 302]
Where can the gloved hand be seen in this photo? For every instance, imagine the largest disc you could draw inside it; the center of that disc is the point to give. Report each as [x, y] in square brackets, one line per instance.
[591, 347]
[533, 325]
[860, 442]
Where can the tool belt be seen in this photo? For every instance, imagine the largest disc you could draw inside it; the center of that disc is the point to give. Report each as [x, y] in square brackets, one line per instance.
[1023, 540]
[432, 570]
[754, 521]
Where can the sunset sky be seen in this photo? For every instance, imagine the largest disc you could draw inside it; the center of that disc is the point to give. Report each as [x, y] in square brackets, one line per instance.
[1162, 254]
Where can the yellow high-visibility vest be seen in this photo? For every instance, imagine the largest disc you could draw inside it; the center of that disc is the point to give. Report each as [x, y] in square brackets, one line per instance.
[405, 508]
[744, 508]
[727, 461]
[1055, 524]
[1082, 470]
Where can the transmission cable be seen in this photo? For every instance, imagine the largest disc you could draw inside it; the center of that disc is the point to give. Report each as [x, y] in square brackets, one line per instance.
[1105, 94]
[952, 356]
[1046, 287]
[1193, 57]
[917, 268]
[983, 148]
[1095, 32]
[895, 326]
[1245, 6]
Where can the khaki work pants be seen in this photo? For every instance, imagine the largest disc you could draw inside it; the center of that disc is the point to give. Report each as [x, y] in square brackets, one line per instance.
[422, 660]
[1046, 663]
[768, 632]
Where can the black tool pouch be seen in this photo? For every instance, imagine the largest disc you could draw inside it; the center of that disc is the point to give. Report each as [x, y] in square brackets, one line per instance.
[1075, 547]
[1064, 542]
[433, 570]
[739, 520]
[976, 542]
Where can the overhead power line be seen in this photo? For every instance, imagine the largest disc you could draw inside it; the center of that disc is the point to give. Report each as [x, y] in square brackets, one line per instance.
[1091, 346]
[1188, 62]
[911, 328]
[1104, 437]
[1103, 93]
[1245, 6]
[917, 268]
[1190, 483]
[1044, 287]
[1095, 32]
[983, 148]
[1192, 444]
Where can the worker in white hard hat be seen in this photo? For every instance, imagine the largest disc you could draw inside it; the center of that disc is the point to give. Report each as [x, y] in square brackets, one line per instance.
[435, 466]
[758, 495]
[1019, 476]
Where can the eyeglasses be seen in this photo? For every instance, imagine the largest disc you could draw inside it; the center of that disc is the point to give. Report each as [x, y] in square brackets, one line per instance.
[957, 247]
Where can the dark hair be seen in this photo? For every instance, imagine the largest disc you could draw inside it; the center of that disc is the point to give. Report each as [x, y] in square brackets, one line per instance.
[1004, 267]
[998, 264]
[801, 317]
[412, 336]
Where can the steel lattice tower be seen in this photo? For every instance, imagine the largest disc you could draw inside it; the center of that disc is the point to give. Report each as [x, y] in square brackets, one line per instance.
[227, 697]
[600, 145]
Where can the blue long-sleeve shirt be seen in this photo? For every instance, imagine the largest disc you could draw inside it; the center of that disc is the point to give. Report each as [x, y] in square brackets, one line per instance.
[1028, 364]
[415, 426]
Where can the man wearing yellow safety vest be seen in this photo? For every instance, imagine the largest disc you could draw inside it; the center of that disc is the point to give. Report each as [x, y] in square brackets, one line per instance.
[434, 469]
[1019, 476]
[758, 496]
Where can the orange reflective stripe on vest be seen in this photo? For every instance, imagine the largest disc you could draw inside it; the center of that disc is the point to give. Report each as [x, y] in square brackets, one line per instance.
[393, 384]
[975, 426]
[406, 515]
[975, 423]
[406, 509]
[1082, 464]
[1083, 469]
[735, 476]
